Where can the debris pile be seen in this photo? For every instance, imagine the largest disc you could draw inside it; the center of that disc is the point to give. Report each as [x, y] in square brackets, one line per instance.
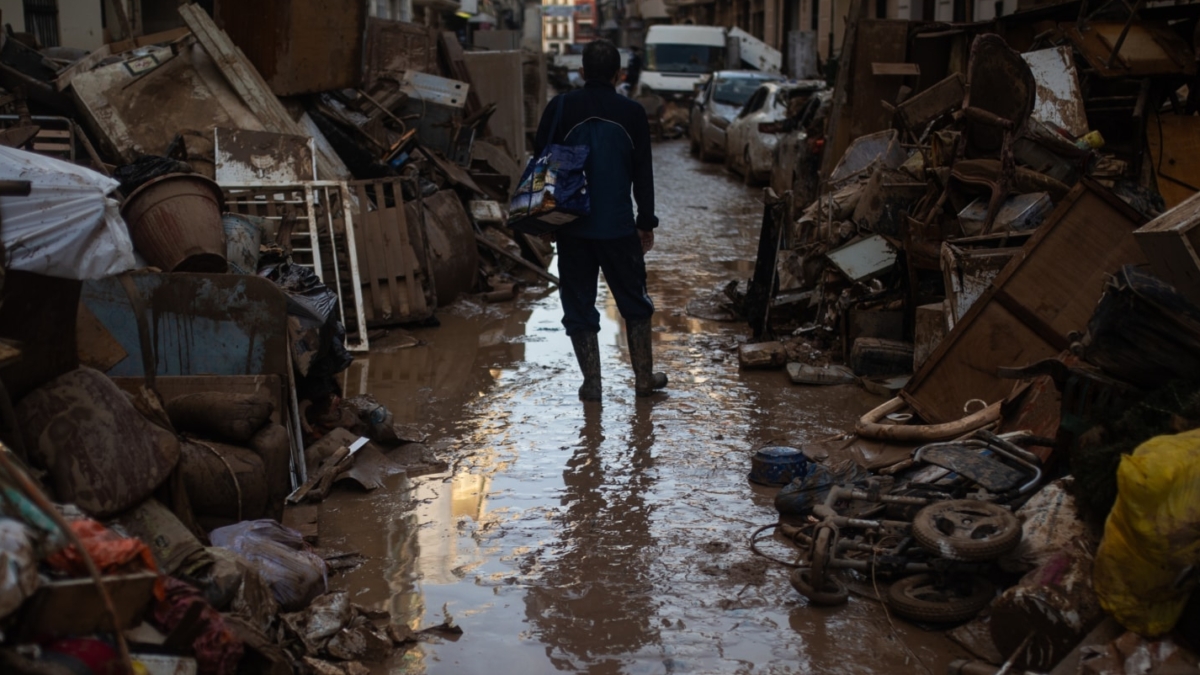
[998, 245]
[195, 248]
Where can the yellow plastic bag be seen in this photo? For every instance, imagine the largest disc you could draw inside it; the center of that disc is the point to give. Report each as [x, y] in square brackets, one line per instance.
[1152, 536]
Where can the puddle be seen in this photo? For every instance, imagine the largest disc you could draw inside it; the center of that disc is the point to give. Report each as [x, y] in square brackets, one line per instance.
[613, 538]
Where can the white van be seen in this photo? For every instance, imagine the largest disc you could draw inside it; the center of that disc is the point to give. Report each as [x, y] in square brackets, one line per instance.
[676, 57]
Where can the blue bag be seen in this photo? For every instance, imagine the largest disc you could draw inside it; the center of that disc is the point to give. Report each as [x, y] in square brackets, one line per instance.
[553, 190]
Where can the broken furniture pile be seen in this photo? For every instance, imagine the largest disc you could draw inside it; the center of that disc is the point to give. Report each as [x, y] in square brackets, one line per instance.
[1006, 250]
[344, 123]
[193, 250]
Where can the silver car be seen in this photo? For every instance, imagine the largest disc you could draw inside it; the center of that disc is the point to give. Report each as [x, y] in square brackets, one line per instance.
[718, 102]
[752, 136]
[798, 153]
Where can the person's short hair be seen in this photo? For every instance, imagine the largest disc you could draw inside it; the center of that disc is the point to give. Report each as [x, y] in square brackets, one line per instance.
[601, 61]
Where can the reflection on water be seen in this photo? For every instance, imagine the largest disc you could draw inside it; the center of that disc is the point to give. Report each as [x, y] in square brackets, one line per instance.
[602, 539]
[599, 584]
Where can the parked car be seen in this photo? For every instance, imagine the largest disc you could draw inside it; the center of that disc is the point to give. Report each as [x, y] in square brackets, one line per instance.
[751, 138]
[717, 102]
[798, 153]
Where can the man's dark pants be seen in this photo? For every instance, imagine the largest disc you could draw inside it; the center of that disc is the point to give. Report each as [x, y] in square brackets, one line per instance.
[579, 264]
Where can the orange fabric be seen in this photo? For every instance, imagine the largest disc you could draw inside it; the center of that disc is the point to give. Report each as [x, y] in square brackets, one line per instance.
[110, 551]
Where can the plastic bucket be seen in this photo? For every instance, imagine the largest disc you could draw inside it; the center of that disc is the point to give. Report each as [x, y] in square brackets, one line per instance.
[175, 223]
[243, 237]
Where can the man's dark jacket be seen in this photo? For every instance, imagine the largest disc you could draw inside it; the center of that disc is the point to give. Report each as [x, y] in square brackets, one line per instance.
[618, 135]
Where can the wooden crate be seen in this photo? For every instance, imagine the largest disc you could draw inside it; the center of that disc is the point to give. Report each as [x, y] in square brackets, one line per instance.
[1170, 242]
[393, 257]
[1046, 292]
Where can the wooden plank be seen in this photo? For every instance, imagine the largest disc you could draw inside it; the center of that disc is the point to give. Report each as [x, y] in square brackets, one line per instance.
[498, 78]
[838, 130]
[1047, 291]
[416, 292]
[395, 250]
[888, 69]
[298, 46]
[453, 56]
[393, 47]
[251, 87]
[1174, 142]
[881, 41]
[366, 248]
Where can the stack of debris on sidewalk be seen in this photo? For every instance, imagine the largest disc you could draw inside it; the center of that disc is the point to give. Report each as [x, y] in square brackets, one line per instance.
[197, 240]
[1003, 244]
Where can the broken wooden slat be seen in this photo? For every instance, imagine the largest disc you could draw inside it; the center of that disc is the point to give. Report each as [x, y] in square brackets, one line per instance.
[395, 265]
[904, 69]
[249, 84]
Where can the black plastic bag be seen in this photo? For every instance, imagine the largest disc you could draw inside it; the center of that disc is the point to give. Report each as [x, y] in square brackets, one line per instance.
[145, 169]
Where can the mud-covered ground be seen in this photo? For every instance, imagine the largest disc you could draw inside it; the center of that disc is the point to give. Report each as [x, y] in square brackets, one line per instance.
[606, 538]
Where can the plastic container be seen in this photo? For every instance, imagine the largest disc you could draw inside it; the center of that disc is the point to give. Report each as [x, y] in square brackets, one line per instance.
[243, 238]
[778, 465]
[175, 223]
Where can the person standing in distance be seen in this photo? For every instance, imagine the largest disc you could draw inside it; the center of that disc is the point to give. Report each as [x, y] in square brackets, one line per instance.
[611, 238]
[633, 70]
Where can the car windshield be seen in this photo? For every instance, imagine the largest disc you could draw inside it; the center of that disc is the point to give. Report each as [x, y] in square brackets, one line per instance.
[667, 58]
[736, 90]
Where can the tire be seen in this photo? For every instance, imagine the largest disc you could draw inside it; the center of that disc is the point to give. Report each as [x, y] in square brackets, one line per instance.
[831, 594]
[821, 553]
[921, 598]
[694, 147]
[967, 530]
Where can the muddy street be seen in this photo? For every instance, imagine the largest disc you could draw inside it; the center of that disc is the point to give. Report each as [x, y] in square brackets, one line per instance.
[606, 538]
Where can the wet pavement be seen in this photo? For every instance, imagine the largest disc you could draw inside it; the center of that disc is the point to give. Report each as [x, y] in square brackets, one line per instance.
[613, 538]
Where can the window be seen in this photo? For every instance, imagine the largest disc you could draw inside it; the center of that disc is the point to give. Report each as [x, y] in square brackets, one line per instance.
[41, 19]
[736, 91]
[755, 103]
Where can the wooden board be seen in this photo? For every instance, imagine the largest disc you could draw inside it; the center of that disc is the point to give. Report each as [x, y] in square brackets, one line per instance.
[1046, 292]
[498, 77]
[1171, 242]
[1149, 48]
[879, 42]
[251, 87]
[1174, 142]
[453, 59]
[393, 257]
[298, 46]
[393, 47]
[125, 112]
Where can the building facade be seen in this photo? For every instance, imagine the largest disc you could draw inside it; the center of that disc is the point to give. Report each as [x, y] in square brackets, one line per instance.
[558, 26]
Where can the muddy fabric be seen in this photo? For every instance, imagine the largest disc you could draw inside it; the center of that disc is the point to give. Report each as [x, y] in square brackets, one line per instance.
[170, 540]
[273, 446]
[624, 266]
[234, 418]
[217, 649]
[101, 453]
[224, 483]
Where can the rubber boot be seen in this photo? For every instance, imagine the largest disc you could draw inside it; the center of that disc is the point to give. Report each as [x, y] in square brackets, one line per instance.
[646, 381]
[587, 352]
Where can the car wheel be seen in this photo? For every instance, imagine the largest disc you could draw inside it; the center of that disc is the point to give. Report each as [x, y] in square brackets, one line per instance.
[694, 148]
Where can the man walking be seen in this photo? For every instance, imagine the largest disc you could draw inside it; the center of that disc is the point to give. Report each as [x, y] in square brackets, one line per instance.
[610, 238]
